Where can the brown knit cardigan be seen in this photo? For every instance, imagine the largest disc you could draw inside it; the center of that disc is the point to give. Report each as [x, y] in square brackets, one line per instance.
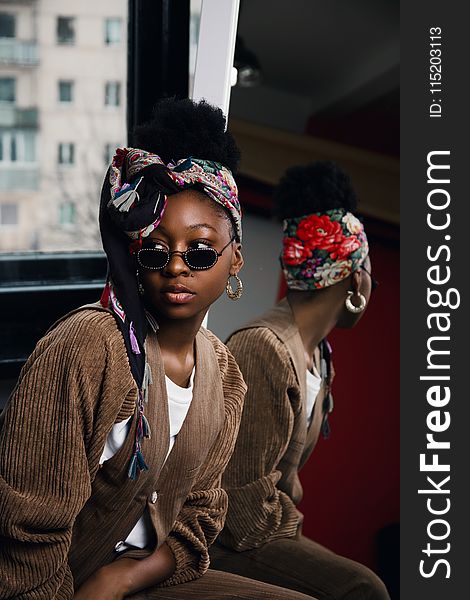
[61, 515]
[274, 441]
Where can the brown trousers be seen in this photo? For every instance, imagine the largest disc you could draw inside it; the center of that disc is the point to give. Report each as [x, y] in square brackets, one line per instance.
[303, 565]
[214, 585]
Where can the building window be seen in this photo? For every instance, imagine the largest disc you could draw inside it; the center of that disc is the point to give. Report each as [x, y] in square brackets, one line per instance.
[112, 31]
[17, 146]
[65, 30]
[7, 89]
[7, 25]
[108, 154]
[8, 214]
[66, 153]
[112, 93]
[67, 213]
[65, 91]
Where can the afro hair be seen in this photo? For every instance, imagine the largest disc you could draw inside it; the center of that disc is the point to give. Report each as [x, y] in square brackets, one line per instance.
[317, 187]
[182, 128]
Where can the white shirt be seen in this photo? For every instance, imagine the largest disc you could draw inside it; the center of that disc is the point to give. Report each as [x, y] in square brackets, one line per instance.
[313, 387]
[179, 401]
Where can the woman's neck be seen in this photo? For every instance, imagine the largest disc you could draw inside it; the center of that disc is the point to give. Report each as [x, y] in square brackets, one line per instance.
[315, 316]
[176, 338]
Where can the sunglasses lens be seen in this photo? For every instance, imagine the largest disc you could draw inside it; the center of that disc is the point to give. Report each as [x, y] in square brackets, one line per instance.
[205, 258]
[151, 258]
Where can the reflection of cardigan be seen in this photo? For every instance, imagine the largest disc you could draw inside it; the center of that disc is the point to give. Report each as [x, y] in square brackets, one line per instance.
[61, 515]
[274, 442]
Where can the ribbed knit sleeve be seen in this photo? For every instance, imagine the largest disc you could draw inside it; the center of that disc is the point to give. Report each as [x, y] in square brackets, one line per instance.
[49, 449]
[258, 510]
[203, 514]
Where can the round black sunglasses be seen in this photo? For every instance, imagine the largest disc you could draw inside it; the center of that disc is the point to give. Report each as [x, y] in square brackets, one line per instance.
[197, 259]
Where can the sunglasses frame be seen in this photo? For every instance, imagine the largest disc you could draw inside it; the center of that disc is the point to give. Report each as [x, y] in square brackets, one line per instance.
[184, 256]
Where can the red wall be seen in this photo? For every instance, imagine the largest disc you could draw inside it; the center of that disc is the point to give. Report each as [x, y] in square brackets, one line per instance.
[352, 479]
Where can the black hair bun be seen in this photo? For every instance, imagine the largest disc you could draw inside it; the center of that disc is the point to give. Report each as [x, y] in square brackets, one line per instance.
[182, 128]
[317, 187]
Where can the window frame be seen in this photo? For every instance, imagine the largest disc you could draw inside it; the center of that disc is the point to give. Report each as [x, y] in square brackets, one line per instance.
[116, 86]
[110, 42]
[71, 84]
[12, 80]
[13, 21]
[61, 155]
[66, 42]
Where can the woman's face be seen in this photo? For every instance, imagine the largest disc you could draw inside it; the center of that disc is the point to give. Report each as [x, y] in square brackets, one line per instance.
[177, 292]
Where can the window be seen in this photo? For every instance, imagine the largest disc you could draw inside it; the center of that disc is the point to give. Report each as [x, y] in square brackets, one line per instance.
[66, 153]
[7, 25]
[17, 146]
[7, 89]
[8, 214]
[108, 154]
[65, 30]
[67, 213]
[65, 91]
[112, 31]
[112, 93]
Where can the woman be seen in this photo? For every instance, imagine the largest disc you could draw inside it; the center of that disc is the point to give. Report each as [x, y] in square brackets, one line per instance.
[113, 442]
[285, 360]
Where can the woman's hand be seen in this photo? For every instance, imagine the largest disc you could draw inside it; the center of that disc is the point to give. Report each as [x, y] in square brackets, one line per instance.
[108, 583]
[127, 576]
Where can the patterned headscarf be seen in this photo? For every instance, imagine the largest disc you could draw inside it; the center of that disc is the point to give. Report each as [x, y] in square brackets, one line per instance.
[133, 199]
[321, 249]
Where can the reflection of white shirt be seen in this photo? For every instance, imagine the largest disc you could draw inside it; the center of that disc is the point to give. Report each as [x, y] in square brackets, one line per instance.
[313, 387]
[179, 401]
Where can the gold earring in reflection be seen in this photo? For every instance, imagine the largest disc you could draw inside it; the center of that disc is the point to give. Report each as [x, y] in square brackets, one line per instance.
[234, 294]
[352, 307]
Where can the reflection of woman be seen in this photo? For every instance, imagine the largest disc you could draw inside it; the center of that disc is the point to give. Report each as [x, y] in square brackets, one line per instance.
[285, 360]
[113, 442]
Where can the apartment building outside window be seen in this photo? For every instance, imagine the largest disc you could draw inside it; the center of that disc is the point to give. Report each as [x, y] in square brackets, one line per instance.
[66, 155]
[112, 93]
[65, 91]
[7, 25]
[7, 89]
[67, 213]
[8, 214]
[17, 146]
[66, 30]
[112, 31]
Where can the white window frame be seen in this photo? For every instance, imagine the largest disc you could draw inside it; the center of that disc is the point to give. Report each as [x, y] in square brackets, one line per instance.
[118, 27]
[117, 93]
[70, 153]
[72, 91]
[19, 136]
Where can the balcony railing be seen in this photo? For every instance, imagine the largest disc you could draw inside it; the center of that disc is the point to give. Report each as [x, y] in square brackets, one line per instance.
[19, 177]
[12, 116]
[18, 52]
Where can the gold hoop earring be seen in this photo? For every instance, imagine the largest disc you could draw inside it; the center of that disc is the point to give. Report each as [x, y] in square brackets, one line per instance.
[352, 307]
[237, 294]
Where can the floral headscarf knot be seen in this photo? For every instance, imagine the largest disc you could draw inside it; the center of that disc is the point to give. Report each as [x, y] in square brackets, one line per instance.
[137, 207]
[321, 249]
